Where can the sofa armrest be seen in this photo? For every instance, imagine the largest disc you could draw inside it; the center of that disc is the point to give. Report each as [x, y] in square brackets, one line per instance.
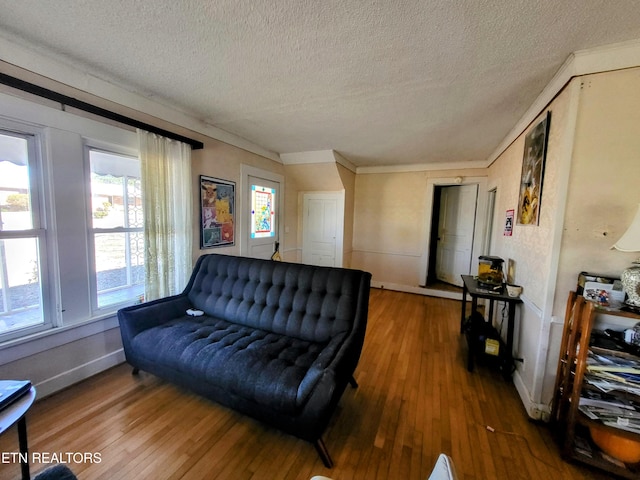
[334, 366]
[348, 354]
[138, 318]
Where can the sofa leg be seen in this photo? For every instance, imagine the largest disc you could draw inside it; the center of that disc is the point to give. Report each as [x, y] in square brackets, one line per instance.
[135, 371]
[323, 452]
[352, 382]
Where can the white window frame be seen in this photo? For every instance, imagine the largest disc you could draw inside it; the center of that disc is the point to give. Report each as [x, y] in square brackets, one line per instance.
[60, 138]
[38, 192]
[92, 145]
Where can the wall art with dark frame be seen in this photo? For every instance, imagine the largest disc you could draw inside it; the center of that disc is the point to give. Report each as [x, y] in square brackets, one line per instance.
[533, 162]
[217, 212]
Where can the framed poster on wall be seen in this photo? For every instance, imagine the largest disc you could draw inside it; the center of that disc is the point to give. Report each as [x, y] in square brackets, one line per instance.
[535, 155]
[217, 212]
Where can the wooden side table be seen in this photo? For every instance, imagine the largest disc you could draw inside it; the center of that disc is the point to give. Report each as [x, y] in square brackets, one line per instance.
[16, 413]
[471, 288]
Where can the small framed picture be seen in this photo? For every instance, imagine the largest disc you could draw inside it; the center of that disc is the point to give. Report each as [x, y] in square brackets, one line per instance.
[508, 223]
[217, 212]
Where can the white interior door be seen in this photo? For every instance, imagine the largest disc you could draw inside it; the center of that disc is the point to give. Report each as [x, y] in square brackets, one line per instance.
[263, 200]
[322, 227]
[455, 232]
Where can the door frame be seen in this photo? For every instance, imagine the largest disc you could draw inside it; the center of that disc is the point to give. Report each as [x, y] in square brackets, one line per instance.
[480, 227]
[247, 171]
[490, 219]
[334, 195]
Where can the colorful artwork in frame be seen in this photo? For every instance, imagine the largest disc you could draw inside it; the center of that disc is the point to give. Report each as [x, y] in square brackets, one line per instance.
[533, 162]
[217, 212]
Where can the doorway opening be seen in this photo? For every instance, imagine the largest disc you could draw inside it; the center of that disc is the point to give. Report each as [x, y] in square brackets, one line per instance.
[452, 238]
[432, 280]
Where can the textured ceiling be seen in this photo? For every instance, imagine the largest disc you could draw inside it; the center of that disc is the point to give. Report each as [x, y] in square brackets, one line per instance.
[381, 82]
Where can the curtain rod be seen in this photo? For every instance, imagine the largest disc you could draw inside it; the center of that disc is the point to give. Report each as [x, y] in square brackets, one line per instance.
[87, 107]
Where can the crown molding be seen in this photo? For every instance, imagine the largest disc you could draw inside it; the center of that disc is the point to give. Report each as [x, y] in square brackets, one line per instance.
[617, 56]
[345, 163]
[422, 167]
[68, 74]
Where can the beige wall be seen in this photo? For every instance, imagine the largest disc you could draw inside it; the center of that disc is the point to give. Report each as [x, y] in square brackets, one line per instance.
[349, 182]
[220, 160]
[530, 245]
[391, 223]
[304, 178]
[590, 195]
[533, 248]
[603, 193]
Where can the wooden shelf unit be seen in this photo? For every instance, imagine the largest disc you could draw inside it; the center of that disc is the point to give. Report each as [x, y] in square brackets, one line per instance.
[571, 425]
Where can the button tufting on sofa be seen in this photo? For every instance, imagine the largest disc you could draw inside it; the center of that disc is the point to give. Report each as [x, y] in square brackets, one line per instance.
[278, 341]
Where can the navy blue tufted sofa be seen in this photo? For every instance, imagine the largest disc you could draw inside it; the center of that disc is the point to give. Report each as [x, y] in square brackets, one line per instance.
[278, 341]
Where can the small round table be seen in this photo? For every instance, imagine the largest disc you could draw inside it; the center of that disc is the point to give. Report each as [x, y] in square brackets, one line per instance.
[16, 413]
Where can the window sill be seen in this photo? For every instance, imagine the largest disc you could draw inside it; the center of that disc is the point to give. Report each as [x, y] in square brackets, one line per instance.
[19, 348]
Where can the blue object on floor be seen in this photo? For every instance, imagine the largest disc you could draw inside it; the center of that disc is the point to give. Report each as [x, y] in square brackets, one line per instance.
[56, 472]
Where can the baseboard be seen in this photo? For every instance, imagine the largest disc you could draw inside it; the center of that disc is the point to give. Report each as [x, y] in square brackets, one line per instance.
[535, 411]
[431, 292]
[79, 373]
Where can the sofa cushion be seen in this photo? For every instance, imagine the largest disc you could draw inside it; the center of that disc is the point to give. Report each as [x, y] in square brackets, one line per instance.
[258, 365]
[303, 301]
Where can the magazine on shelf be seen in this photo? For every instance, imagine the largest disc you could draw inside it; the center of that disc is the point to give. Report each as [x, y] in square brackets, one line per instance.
[606, 384]
[612, 372]
[612, 363]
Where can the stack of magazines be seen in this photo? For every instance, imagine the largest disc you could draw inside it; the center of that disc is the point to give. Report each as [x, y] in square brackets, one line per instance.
[611, 374]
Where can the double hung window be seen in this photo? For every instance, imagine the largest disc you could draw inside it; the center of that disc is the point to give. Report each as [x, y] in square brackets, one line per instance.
[116, 233]
[71, 223]
[22, 237]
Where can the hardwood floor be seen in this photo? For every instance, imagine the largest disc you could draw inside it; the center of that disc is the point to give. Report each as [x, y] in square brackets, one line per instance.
[415, 400]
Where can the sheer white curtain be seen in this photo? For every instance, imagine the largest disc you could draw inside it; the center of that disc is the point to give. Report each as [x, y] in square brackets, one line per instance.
[166, 192]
